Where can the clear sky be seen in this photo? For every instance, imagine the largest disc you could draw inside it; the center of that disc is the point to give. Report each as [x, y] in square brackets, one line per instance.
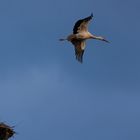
[46, 93]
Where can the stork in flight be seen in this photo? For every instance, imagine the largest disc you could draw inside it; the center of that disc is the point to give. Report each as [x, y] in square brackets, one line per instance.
[80, 35]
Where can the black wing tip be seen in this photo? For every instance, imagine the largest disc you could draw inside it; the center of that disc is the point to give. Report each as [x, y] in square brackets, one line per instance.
[89, 17]
[79, 60]
[79, 57]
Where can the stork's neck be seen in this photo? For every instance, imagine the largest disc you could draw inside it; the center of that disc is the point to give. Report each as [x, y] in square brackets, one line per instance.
[99, 38]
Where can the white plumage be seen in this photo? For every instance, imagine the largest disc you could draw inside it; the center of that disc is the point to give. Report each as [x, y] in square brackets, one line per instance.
[80, 35]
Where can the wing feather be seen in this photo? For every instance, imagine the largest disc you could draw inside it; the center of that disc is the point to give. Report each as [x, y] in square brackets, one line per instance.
[82, 24]
[79, 46]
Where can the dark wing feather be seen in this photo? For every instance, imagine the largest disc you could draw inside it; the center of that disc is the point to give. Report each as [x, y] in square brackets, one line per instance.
[79, 49]
[82, 22]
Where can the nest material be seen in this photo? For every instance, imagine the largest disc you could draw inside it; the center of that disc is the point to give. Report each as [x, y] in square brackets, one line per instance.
[6, 131]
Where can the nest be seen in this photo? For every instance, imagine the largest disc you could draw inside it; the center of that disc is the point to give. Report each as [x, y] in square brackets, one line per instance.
[6, 131]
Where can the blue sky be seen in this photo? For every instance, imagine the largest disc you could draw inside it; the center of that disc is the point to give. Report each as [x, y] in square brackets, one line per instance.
[46, 93]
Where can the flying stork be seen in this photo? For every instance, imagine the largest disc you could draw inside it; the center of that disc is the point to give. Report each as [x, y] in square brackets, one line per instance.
[80, 35]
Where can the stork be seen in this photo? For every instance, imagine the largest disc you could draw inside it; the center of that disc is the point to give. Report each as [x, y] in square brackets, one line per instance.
[80, 35]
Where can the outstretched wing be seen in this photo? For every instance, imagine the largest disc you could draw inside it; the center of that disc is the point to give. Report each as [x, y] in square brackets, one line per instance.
[79, 46]
[82, 25]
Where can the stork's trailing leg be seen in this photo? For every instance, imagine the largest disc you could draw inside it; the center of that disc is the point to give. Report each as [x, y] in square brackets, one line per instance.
[62, 39]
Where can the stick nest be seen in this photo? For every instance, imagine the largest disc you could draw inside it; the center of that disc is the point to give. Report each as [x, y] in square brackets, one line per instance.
[6, 131]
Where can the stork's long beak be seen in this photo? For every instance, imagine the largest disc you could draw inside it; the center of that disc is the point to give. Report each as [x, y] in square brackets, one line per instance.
[106, 40]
